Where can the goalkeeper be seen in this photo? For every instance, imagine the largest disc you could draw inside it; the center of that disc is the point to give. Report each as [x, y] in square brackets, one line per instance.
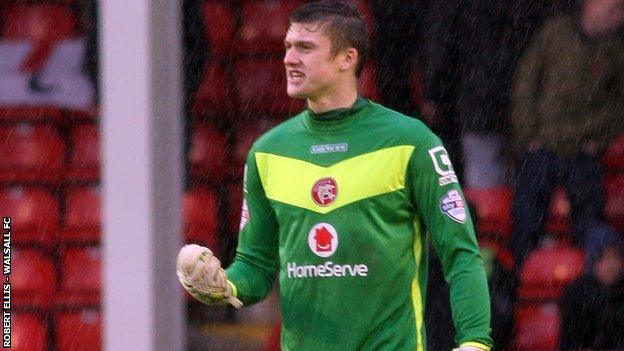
[339, 202]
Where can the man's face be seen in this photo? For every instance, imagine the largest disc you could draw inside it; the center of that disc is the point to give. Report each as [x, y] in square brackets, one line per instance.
[607, 15]
[609, 267]
[311, 69]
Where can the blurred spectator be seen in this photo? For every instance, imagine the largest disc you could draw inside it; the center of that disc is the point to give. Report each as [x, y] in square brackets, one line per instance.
[471, 49]
[598, 235]
[567, 108]
[592, 309]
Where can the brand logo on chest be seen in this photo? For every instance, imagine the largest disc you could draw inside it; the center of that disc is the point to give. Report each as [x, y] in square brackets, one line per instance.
[323, 242]
[328, 148]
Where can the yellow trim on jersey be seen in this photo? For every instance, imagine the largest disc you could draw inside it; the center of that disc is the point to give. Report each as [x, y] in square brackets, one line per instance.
[416, 293]
[234, 288]
[475, 344]
[290, 181]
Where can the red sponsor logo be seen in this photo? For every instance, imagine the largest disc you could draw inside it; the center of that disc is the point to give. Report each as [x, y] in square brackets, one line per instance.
[324, 191]
[323, 240]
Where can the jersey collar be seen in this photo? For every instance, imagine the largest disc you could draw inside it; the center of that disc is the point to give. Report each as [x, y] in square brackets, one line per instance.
[333, 119]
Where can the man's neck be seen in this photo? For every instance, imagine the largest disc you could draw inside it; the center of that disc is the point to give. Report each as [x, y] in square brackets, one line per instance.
[344, 99]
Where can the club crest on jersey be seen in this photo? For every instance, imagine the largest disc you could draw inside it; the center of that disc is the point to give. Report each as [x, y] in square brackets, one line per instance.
[324, 191]
[323, 239]
[452, 205]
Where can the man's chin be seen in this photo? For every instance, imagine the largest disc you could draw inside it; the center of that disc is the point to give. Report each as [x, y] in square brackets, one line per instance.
[296, 94]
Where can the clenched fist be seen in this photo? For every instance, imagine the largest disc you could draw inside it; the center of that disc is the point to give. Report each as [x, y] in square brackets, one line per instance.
[200, 273]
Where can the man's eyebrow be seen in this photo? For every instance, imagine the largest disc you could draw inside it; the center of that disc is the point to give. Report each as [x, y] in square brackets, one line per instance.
[299, 43]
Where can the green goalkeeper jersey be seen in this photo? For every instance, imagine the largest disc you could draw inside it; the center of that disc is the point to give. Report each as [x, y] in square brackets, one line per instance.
[341, 205]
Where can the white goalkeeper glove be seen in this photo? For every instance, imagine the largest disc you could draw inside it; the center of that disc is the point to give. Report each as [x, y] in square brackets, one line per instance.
[471, 347]
[200, 273]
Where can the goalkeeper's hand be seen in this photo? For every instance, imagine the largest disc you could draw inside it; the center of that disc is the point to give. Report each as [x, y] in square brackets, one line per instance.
[471, 347]
[200, 273]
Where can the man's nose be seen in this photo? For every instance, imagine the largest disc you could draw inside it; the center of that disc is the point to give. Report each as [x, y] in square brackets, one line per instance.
[290, 58]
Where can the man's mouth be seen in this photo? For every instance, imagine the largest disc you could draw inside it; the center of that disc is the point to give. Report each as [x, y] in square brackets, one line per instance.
[295, 76]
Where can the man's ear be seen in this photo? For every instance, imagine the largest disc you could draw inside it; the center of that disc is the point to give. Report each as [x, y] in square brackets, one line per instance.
[349, 59]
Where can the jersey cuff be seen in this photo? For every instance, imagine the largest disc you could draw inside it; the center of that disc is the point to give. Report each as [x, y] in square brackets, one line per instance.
[475, 344]
[234, 289]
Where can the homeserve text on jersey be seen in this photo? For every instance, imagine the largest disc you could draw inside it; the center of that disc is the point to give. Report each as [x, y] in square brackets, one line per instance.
[326, 270]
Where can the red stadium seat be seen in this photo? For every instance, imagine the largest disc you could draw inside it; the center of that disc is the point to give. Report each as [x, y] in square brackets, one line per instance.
[29, 332]
[82, 218]
[219, 24]
[493, 207]
[89, 324]
[208, 152]
[494, 211]
[37, 22]
[261, 87]
[368, 83]
[264, 25]
[614, 208]
[559, 213]
[200, 209]
[33, 279]
[43, 24]
[31, 153]
[85, 156]
[34, 211]
[214, 95]
[614, 158]
[537, 327]
[23, 113]
[81, 271]
[247, 132]
[89, 114]
[548, 270]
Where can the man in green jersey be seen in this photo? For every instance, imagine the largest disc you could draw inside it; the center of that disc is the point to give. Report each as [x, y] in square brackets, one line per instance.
[340, 201]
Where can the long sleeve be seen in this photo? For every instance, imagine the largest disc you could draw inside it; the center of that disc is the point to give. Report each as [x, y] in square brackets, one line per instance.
[526, 93]
[255, 265]
[440, 204]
